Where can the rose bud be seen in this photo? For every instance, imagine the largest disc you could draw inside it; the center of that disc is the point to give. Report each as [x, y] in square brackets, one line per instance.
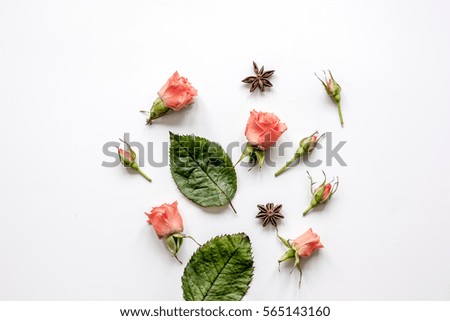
[323, 193]
[334, 91]
[168, 225]
[262, 132]
[307, 243]
[176, 94]
[306, 146]
[127, 158]
[302, 247]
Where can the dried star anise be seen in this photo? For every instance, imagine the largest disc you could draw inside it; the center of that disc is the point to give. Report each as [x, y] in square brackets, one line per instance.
[261, 80]
[270, 213]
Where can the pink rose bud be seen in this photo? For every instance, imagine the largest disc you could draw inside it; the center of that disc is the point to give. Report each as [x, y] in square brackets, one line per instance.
[306, 146]
[334, 91]
[302, 247]
[176, 94]
[323, 193]
[307, 243]
[168, 225]
[166, 220]
[262, 131]
[127, 158]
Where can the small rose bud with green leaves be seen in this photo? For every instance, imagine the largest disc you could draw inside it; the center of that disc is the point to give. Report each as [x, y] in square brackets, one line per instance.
[323, 193]
[305, 147]
[334, 91]
[176, 94]
[168, 225]
[128, 159]
[302, 247]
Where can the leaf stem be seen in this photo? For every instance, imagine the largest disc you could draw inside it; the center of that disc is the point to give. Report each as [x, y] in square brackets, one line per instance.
[232, 207]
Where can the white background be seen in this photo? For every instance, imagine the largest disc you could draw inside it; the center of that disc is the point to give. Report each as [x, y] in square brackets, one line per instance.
[74, 74]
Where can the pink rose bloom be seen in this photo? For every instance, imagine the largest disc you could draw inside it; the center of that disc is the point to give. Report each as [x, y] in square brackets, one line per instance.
[166, 219]
[177, 93]
[263, 129]
[307, 243]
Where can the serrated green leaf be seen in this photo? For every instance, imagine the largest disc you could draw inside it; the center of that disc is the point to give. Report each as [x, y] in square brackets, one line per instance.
[220, 270]
[202, 170]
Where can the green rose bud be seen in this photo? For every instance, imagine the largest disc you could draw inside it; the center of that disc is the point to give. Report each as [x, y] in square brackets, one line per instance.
[334, 91]
[321, 194]
[306, 146]
[127, 157]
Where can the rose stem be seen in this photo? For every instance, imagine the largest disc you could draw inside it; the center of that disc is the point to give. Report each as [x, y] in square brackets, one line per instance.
[287, 165]
[340, 115]
[307, 210]
[143, 174]
[176, 257]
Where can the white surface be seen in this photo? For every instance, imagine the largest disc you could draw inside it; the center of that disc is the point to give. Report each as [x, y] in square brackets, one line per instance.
[74, 74]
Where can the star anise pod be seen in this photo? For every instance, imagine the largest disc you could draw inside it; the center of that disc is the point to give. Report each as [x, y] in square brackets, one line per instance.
[270, 213]
[261, 80]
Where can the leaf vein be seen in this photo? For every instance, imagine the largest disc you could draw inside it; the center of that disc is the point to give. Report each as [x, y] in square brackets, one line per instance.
[224, 266]
[206, 173]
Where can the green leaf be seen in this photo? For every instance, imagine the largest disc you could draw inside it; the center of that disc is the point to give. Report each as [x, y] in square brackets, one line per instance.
[202, 170]
[220, 270]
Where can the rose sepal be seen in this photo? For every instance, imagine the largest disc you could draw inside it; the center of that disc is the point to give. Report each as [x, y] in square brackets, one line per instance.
[289, 254]
[256, 156]
[158, 110]
[174, 241]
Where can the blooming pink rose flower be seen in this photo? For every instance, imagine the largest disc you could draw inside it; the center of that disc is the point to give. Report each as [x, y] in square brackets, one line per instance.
[166, 219]
[177, 93]
[307, 243]
[263, 129]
